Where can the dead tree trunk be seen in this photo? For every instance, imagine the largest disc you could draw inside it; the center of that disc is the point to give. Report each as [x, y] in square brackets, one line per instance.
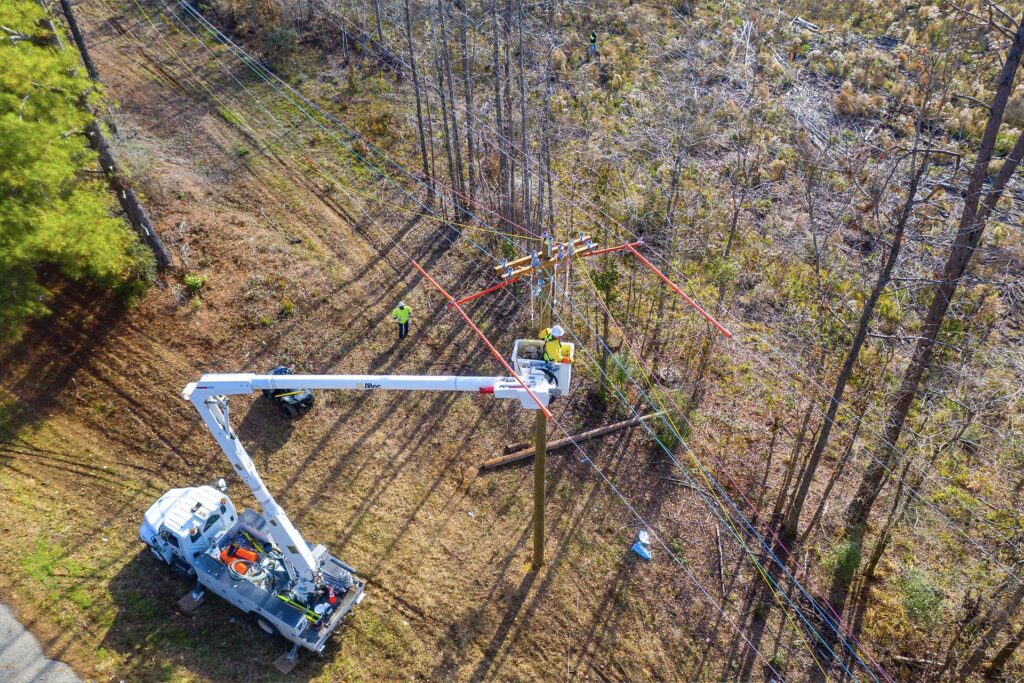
[994, 670]
[459, 182]
[126, 196]
[918, 170]
[507, 133]
[999, 621]
[977, 207]
[522, 120]
[899, 507]
[380, 29]
[499, 119]
[445, 131]
[419, 107]
[467, 93]
[548, 91]
[820, 510]
[76, 33]
[528, 451]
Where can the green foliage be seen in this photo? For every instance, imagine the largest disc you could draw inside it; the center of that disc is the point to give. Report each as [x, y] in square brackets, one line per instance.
[672, 424]
[1005, 140]
[777, 661]
[508, 249]
[287, 307]
[278, 44]
[921, 600]
[605, 281]
[843, 558]
[51, 212]
[229, 116]
[193, 283]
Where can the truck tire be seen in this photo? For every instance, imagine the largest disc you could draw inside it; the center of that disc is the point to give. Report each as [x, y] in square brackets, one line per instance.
[288, 411]
[265, 626]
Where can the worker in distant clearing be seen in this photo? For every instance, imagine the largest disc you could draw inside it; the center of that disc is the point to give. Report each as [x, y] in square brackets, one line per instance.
[554, 351]
[401, 316]
[592, 50]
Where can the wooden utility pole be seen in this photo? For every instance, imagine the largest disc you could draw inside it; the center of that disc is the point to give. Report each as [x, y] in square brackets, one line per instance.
[540, 431]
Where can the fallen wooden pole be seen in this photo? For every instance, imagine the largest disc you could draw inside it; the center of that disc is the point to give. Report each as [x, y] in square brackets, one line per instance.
[562, 443]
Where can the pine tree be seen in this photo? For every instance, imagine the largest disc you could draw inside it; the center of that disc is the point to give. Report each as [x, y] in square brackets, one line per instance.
[52, 210]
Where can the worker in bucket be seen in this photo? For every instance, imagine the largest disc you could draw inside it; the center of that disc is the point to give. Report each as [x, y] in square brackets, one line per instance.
[401, 315]
[554, 352]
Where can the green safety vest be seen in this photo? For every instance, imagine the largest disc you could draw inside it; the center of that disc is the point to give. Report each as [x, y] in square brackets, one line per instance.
[401, 314]
[593, 38]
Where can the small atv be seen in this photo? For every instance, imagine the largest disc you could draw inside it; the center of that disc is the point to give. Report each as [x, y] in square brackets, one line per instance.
[291, 402]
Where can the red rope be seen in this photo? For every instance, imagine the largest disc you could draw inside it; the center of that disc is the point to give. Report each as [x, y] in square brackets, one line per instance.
[493, 288]
[501, 359]
[609, 249]
[675, 288]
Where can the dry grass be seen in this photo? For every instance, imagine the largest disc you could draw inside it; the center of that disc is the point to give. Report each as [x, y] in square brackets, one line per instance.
[96, 432]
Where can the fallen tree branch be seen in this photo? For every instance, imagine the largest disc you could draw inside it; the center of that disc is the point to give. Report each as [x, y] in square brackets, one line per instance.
[562, 443]
[721, 560]
[680, 482]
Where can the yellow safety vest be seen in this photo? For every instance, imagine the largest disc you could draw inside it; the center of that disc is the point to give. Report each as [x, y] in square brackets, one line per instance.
[402, 314]
[552, 346]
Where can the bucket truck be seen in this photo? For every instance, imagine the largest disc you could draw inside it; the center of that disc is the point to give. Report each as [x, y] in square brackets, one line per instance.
[258, 561]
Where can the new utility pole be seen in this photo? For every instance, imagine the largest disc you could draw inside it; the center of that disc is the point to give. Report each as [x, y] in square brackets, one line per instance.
[540, 430]
[543, 267]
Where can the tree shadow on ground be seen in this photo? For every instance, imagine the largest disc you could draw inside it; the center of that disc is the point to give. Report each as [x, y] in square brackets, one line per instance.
[38, 368]
[264, 430]
[216, 642]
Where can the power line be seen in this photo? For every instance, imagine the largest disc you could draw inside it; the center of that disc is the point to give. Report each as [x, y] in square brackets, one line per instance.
[354, 134]
[618, 493]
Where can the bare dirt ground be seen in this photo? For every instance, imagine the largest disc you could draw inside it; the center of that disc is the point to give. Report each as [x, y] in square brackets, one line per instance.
[95, 431]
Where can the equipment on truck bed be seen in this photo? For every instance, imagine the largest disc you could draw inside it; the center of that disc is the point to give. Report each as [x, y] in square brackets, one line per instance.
[258, 561]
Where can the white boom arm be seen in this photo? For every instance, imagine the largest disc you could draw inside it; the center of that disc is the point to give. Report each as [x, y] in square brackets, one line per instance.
[209, 395]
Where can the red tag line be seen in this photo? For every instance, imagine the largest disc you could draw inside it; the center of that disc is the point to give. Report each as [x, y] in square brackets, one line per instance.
[680, 292]
[483, 338]
[609, 249]
[493, 288]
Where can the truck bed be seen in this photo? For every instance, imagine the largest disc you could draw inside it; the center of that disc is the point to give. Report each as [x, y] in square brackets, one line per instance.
[214, 575]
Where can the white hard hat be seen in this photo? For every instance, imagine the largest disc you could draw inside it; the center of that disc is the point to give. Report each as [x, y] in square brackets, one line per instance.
[401, 304]
[557, 331]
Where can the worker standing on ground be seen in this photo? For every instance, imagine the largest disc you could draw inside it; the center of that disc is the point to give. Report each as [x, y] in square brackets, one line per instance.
[552, 337]
[592, 50]
[401, 316]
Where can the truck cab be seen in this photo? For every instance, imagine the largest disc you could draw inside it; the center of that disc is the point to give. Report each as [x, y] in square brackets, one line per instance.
[184, 523]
